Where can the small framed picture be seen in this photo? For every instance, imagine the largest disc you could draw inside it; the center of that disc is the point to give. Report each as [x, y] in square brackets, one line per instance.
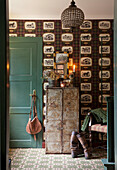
[86, 98]
[61, 72]
[103, 98]
[85, 110]
[105, 74]
[30, 25]
[30, 35]
[104, 37]
[61, 62]
[85, 86]
[104, 24]
[61, 58]
[68, 49]
[67, 37]
[12, 25]
[104, 86]
[48, 25]
[86, 61]
[12, 35]
[85, 74]
[45, 85]
[86, 25]
[65, 28]
[60, 68]
[85, 49]
[48, 49]
[104, 49]
[46, 73]
[48, 37]
[85, 37]
[44, 98]
[48, 62]
[44, 122]
[44, 110]
[105, 61]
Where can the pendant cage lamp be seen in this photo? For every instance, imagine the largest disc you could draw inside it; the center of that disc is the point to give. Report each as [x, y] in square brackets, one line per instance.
[72, 17]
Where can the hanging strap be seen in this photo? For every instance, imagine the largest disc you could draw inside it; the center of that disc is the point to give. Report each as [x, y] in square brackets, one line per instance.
[34, 110]
[34, 107]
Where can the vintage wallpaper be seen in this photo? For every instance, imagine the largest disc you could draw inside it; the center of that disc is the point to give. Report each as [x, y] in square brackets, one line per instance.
[86, 45]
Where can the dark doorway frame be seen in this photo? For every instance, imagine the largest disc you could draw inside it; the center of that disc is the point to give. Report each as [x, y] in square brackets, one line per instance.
[4, 84]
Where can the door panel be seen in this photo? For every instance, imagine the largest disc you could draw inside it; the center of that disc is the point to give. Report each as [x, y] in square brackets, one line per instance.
[21, 61]
[53, 118]
[25, 75]
[16, 92]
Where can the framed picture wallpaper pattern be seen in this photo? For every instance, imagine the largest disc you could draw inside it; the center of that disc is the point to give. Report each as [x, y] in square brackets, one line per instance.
[89, 45]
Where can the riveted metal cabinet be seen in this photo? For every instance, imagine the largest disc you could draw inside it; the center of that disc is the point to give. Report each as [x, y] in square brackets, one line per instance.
[62, 118]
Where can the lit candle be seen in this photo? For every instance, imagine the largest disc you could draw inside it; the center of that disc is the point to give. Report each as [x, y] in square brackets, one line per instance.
[62, 85]
[74, 68]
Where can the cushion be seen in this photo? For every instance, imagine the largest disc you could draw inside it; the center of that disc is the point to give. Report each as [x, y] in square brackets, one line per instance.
[99, 128]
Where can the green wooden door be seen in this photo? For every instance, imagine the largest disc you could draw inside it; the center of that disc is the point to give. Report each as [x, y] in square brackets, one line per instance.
[25, 75]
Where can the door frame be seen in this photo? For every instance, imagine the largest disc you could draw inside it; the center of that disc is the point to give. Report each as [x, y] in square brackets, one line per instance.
[4, 84]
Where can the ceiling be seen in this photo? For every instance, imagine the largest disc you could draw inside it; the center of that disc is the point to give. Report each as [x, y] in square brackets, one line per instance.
[52, 9]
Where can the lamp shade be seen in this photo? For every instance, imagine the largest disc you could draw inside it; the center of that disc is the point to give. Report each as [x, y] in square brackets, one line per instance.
[72, 16]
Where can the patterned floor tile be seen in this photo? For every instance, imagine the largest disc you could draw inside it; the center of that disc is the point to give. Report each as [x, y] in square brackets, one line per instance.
[36, 159]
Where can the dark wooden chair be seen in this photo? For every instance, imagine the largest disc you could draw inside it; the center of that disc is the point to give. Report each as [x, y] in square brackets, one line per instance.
[98, 127]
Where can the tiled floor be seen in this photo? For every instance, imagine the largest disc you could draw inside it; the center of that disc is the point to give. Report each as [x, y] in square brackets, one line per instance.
[34, 159]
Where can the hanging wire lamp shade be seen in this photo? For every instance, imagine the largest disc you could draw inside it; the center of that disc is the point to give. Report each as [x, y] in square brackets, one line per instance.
[72, 17]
